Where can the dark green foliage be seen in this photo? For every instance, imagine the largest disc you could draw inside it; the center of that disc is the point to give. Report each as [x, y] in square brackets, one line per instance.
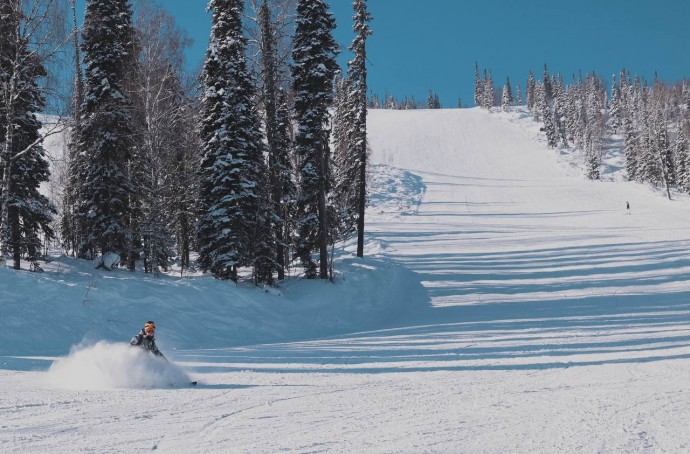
[234, 197]
[106, 128]
[313, 69]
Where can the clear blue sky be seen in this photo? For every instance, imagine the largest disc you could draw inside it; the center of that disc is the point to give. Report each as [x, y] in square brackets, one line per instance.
[432, 44]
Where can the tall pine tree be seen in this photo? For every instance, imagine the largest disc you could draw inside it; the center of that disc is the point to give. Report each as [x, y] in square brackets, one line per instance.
[357, 75]
[234, 228]
[531, 98]
[313, 69]
[106, 127]
[478, 87]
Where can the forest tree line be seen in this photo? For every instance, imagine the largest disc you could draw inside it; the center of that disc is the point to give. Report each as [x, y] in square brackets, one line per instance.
[235, 164]
[653, 120]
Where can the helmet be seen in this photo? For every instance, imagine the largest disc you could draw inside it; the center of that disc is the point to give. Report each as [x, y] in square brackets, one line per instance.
[150, 326]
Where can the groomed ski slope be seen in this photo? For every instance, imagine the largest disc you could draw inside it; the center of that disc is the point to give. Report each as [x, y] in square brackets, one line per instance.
[535, 316]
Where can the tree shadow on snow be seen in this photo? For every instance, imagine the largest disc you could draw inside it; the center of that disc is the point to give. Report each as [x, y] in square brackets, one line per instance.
[530, 309]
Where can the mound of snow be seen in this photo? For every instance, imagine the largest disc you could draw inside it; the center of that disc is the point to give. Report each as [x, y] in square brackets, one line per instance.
[112, 366]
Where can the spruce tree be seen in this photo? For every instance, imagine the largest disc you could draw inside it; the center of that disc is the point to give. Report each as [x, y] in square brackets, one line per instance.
[682, 160]
[550, 128]
[488, 91]
[615, 108]
[649, 163]
[631, 148]
[505, 103]
[314, 65]
[571, 113]
[507, 97]
[548, 86]
[106, 128]
[531, 98]
[665, 153]
[686, 99]
[234, 204]
[352, 168]
[478, 87]
[559, 115]
[592, 159]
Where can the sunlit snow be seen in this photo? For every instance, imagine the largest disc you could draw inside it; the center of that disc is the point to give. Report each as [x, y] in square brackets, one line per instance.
[505, 304]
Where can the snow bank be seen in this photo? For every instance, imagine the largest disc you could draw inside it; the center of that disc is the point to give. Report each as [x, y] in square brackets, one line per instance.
[112, 366]
[71, 303]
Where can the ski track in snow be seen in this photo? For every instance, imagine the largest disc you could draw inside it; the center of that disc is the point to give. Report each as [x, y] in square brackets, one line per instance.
[553, 322]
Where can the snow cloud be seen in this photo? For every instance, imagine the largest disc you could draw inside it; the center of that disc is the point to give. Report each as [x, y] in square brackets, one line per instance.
[108, 366]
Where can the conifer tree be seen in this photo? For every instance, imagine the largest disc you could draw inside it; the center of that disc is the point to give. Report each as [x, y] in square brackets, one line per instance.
[357, 78]
[682, 160]
[592, 159]
[548, 87]
[571, 113]
[478, 87]
[106, 127]
[664, 153]
[531, 98]
[649, 167]
[488, 91]
[686, 99]
[505, 103]
[631, 148]
[550, 128]
[507, 97]
[314, 52]
[615, 107]
[234, 226]
[559, 114]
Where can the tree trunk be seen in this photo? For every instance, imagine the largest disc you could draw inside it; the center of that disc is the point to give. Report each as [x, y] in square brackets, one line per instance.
[184, 242]
[7, 180]
[323, 215]
[15, 235]
[362, 194]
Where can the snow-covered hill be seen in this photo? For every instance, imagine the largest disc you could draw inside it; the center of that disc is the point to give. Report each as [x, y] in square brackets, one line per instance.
[506, 304]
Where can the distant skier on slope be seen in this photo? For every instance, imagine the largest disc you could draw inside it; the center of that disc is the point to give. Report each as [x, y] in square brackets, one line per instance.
[145, 339]
[627, 207]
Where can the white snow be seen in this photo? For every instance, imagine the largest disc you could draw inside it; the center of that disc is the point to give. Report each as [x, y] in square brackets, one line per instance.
[505, 304]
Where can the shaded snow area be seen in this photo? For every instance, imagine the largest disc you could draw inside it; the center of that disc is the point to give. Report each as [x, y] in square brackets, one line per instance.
[505, 304]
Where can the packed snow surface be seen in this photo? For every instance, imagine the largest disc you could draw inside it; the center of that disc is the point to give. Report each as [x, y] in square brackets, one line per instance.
[505, 304]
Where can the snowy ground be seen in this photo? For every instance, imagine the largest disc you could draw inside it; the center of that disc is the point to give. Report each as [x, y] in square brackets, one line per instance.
[506, 305]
